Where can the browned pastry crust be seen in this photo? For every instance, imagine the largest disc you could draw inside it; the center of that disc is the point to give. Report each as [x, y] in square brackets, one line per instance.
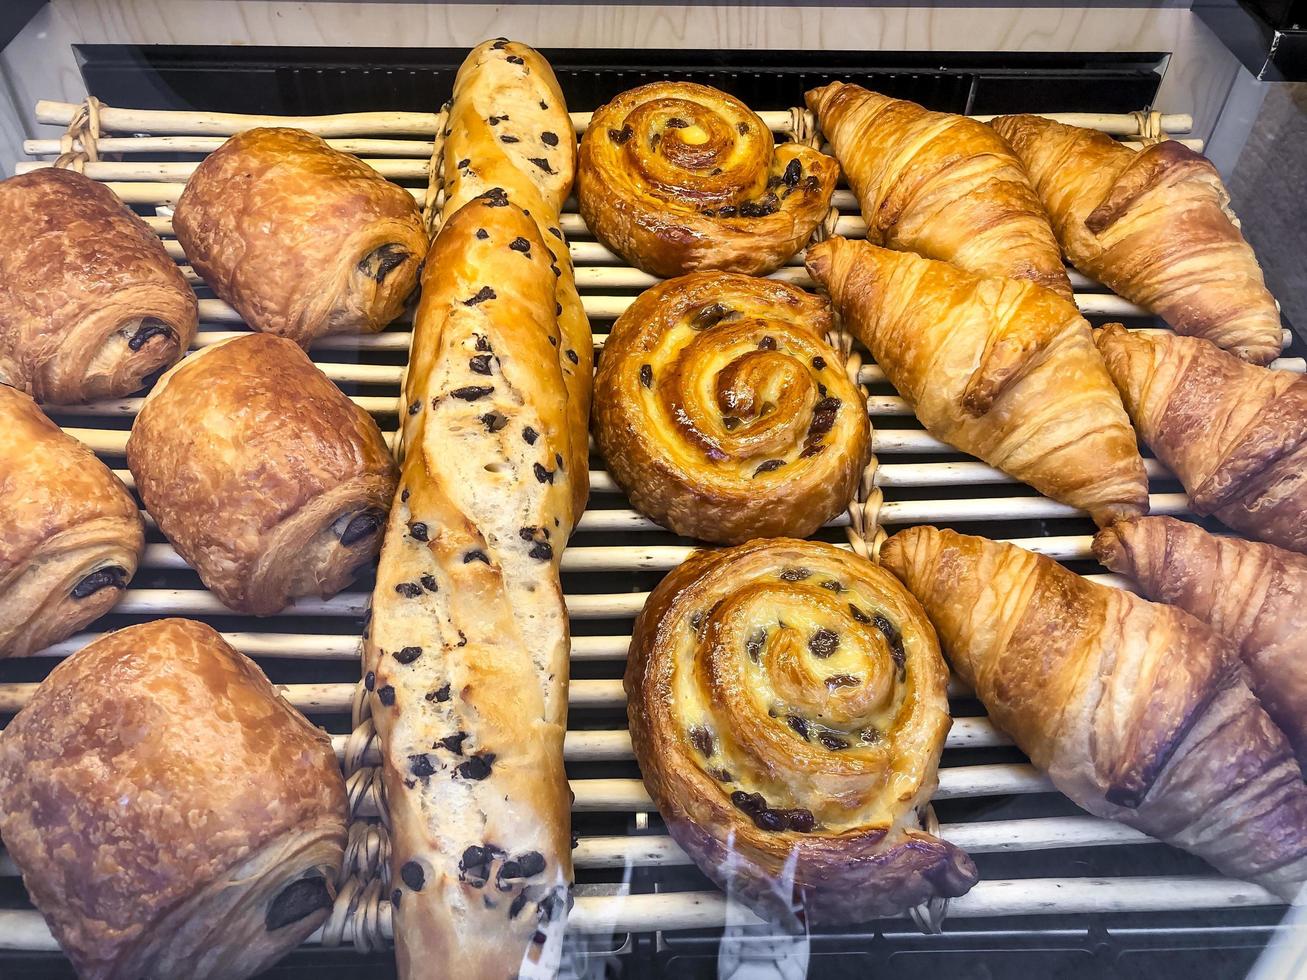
[509, 129]
[1235, 434]
[302, 240]
[71, 537]
[90, 303]
[1254, 594]
[1001, 369]
[467, 651]
[1136, 710]
[1153, 225]
[941, 185]
[265, 478]
[724, 414]
[677, 177]
[171, 814]
[787, 707]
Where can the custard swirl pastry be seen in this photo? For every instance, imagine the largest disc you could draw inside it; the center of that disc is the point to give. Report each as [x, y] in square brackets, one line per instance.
[723, 413]
[301, 239]
[1234, 433]
[72, 534]
[787, 707]
[1255, 594]
[1155, 226]
[90, 303]
[676, 177]
[171, 814]
[1137, 711]
[941, 185]
[263, 475]
[1001, 369]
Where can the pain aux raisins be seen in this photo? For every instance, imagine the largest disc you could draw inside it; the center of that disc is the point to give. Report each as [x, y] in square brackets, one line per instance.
[841, 680]
[742, 128]
[646, 375]
[767, 343]
[858, 614]
[768, 465]
[476, 768]
[799, 725]
[822, 642]
[832, 585]
[702, 740]
[754, 644]
[620, 136]
[832, 742]
[794, 574]
[408, 654]
[710, 316]
[895, 640]
[773, 819]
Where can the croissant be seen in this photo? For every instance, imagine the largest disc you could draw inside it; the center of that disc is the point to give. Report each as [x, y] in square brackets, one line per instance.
[941, 185]
[1254, 594]
[70, 533]
[1154, 226]
[1137, 711]
[677, 177]
[1235, 434]
[509, 132]
[787, 707]
[301, 239]
[724, 414]
[171, 814]
[261, 473]
[1001, 369]
[90, 303]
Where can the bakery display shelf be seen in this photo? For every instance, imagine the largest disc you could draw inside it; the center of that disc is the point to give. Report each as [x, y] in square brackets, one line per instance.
[1038, 854]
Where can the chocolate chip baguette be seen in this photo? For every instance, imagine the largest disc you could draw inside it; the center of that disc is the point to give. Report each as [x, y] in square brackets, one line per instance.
[467, 655]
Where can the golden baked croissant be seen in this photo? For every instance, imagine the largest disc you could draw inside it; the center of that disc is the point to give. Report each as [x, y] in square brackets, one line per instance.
[70, 533]
[1001, 369]
[1235, 434]
[724, 414]
[941, 185]
[787, 707]
[1153, 225]
[301, 239]
[171, 814]
[466, 656]
[263, 475]
[509, 131]
[1255, 594]
[1136, 710]
[90, 303]
[677, 177]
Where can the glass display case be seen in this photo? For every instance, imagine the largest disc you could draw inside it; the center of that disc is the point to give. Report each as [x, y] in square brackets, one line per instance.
[788, 704]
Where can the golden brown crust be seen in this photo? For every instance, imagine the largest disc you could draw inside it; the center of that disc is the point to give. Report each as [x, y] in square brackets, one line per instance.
[467, 649]
[1235, 434]
[1254, 594]
[1137, 711]
[156, 771]
[1154, 226]
[677, 177]
[90, 303]
[265, 478]
[302, 240]
[72, 534]
[999, 368]
[787, 707]
[509, 129]
[722, 412]
[941, 185]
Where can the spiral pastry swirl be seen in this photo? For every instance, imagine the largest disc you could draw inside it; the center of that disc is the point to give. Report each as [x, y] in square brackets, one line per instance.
[724, 414]
[787, 706]
[676, 177]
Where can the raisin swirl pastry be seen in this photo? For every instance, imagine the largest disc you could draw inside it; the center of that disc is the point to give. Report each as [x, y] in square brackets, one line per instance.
[301, 239]
[171, 814]
[724, 414]
[787, 707]
[676, 177]
[71, 537]
[263, 475]
[90, 303]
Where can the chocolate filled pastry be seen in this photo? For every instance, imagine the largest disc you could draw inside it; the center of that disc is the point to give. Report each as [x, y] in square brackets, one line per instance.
[1234, 433]
[302, 240]
[724, 414]
[263, 475]
[787, 707]
[71, 537]
[90, 303]
[172, 816]
[676, 177]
